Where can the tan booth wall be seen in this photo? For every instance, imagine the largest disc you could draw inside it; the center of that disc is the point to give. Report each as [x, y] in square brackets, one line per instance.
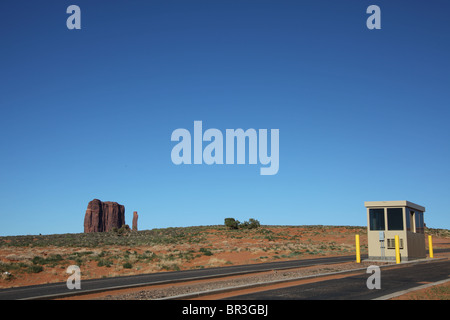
[413, 243]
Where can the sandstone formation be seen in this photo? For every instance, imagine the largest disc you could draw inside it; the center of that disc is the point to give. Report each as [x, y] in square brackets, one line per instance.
[135, 221]
[103, 216]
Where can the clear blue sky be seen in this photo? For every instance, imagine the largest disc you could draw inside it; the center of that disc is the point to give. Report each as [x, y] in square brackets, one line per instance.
[363, 114]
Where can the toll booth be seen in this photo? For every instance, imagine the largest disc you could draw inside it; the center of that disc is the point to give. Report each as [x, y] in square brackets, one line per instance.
[385, 220]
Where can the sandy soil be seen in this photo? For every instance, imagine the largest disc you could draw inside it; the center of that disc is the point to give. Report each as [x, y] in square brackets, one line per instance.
[438, 292]
[225, 249]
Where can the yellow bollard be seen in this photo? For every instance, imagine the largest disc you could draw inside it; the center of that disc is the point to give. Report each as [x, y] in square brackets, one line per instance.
[358, 250]
[430, 246]
[397, 250]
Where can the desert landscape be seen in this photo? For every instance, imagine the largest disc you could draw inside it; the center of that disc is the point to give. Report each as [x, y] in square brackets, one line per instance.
[38, 259]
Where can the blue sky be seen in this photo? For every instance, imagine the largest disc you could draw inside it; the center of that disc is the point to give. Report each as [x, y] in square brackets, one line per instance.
[363, 114]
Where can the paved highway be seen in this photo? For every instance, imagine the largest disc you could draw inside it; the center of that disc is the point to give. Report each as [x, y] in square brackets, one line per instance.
[49, 291]
[355, 288]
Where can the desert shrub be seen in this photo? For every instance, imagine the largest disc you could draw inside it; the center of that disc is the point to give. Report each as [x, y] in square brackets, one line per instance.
[146, 256]
[7, 267]
[104, 263]
[231, 223]
[244, 225]
[35, 269]
[170, 267]
[52, 260]
[127, 265]
[111, 238]
[251, 224]
[206, 251]
[38, 260]
[124, 229]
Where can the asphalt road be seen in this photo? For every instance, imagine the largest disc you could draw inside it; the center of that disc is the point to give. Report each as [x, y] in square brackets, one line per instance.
[47, 291]
[355, 288]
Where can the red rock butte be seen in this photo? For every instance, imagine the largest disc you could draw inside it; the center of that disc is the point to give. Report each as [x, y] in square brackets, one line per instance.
[103, 216]
[135, 221]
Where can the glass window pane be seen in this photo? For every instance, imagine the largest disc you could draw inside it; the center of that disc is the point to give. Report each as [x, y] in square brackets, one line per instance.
[419, 222]
[376, 219]
[407, 218]
[395, 218]
[422, 224]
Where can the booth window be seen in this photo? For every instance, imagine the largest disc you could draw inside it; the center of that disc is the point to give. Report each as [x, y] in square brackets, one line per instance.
[419, 222]
[408, 219]
[376, 219]
[395, 218]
